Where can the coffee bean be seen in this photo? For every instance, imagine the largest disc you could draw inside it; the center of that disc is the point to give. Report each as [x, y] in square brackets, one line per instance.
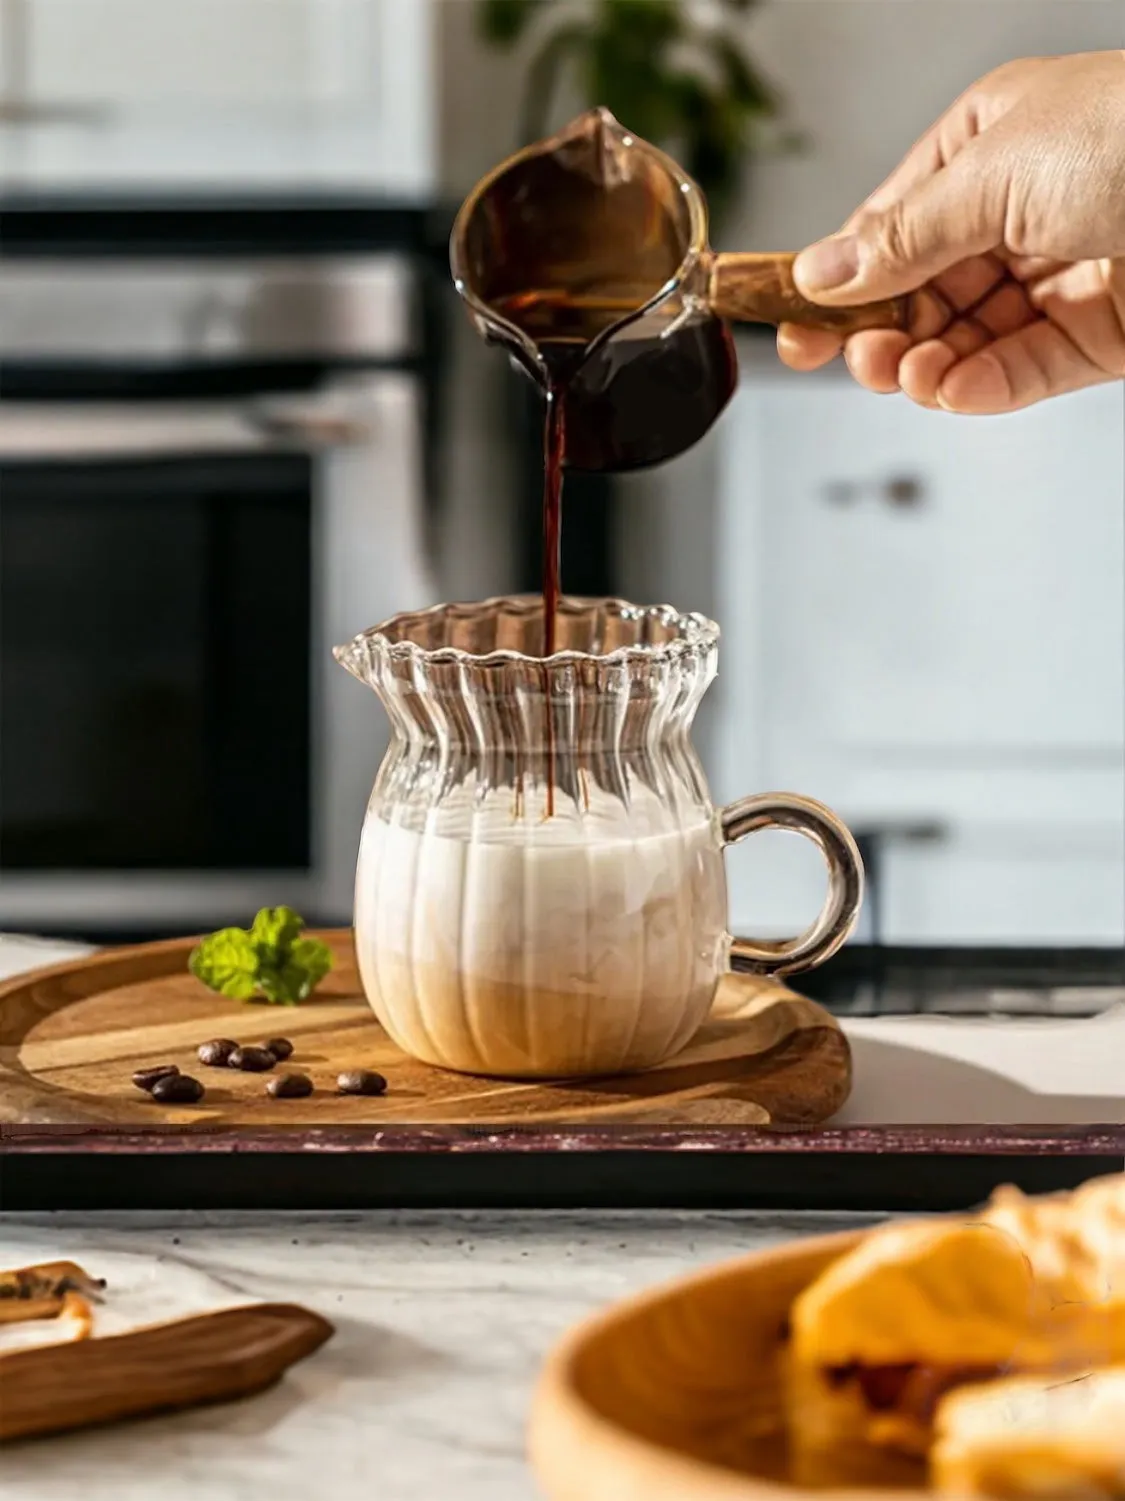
[252, 1060]
[361, 1081]
[145, 1078]
[177, 1089]
[290, 1086]
[280, 1047]
[216, 1053]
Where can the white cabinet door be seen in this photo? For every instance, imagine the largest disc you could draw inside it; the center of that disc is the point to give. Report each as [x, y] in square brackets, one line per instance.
[132, 51]
[986, 616]
[986, 884]
[337, 91]
[981, 884]
[956, 657]
[283, 52]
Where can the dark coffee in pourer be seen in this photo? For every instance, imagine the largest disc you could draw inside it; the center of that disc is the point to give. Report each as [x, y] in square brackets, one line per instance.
[586, 256]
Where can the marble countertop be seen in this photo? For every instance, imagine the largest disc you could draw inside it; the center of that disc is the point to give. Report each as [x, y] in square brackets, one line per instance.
[442, 1320]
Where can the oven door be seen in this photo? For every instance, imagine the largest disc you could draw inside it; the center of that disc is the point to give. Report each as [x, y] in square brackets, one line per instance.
[176, 745]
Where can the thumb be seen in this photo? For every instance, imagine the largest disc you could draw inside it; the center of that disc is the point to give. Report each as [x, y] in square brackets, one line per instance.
[885, 252]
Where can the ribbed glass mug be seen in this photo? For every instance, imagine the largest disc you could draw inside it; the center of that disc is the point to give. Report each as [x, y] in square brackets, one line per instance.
[540, 889]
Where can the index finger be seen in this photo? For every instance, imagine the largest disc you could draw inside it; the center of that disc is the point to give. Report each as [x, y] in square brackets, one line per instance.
[922, 160]
[950, 133]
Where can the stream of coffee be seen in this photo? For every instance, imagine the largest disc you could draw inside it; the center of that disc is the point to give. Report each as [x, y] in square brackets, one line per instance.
[554, 457]
[652, 389]
[562, 328]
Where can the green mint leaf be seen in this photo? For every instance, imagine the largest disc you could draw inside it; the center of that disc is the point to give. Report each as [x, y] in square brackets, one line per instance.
[270, 961]
[279, 986]
[227, 961]
[273, 930]
[314, 959]
[298, 975]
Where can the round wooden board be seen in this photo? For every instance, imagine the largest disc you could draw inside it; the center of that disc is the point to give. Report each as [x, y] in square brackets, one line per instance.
[72, 1036]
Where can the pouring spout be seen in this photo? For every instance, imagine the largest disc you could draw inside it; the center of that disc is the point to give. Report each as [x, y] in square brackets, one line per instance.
[592, 123]
[597, 146]
[355, 656]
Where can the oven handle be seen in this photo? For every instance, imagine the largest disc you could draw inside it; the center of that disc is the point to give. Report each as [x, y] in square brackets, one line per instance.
[308, 427]
[41, 432]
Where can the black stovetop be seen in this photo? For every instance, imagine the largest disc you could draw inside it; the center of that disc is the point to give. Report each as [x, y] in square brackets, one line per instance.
[998, 982]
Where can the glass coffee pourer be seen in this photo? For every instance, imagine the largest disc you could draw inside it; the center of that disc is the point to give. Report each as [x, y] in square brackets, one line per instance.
[540, 889]
[587, 256]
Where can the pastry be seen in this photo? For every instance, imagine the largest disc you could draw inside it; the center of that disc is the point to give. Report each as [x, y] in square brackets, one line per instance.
[1024, 1286]
[915, 1310]
[1076, 1241]
[1056, 1437]
[74, 1321]
[40, 1292]
[1076, 1245]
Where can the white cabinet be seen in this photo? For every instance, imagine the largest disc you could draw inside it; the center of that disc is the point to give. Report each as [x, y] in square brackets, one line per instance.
[985, 616]
[924, 619]
[260, 91]
[252, 52]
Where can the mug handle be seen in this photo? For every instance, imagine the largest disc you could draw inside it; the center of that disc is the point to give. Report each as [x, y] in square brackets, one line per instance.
[788, 810]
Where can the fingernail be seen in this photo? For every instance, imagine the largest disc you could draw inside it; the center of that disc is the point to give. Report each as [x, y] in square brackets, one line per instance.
[831, 263]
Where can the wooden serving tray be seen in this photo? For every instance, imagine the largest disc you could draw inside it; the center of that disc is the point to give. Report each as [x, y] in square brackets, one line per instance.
[71, 1037]
[735, 1121]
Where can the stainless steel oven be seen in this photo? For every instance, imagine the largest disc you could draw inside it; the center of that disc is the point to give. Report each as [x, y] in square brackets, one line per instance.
[210, 471]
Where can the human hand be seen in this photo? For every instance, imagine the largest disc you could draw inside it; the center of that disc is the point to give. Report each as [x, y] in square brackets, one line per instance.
[1009, 215]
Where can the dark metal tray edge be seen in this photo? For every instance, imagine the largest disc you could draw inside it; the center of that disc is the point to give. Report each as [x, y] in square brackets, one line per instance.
[1006, 1140]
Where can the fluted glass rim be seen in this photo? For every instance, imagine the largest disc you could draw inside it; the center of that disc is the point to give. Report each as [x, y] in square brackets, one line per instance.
[695, 632]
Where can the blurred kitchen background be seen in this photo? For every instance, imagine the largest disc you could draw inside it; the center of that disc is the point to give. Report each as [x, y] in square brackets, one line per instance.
[242, 415]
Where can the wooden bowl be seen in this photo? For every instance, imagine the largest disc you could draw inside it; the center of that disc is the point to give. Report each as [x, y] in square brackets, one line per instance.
[676, 1395]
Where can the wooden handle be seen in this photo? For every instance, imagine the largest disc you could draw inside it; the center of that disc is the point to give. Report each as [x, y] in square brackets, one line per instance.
[210, 1358]
[760, 289]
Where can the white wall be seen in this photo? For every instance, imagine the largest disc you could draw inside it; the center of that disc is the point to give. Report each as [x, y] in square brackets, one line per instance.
[864, 78]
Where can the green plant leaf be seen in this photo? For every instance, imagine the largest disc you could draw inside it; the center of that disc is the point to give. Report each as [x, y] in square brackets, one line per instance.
[227, 961]
[503, 22]
[712, 137]
[635, 85]
[274, 929]
[543, 75]
[270, 960]
[308, 963]
[297, 972]
[744, 84]
[672, 81]
[639, 26]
